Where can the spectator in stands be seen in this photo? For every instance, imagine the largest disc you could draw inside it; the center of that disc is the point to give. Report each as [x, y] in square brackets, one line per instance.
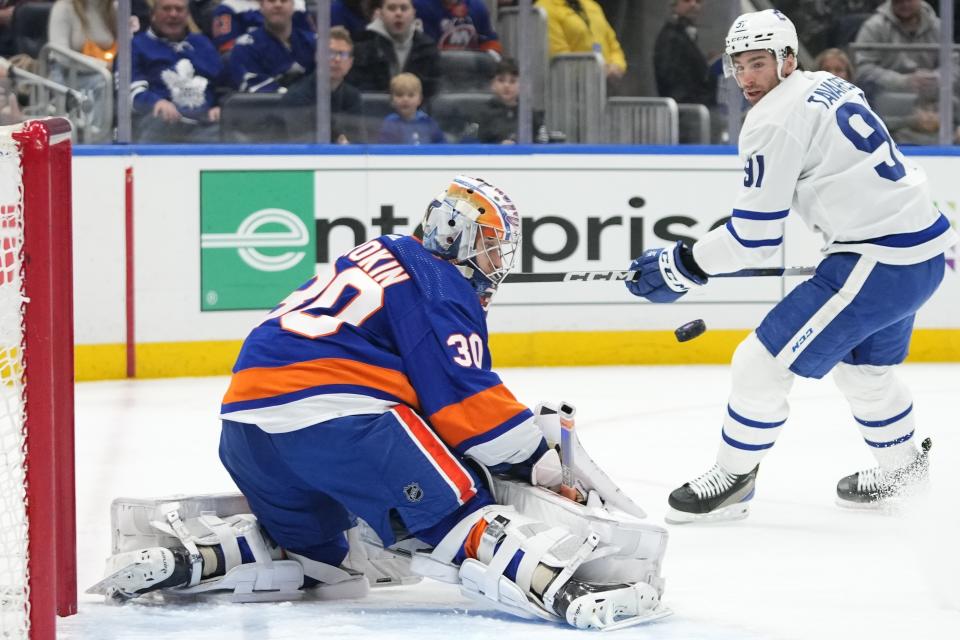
[272, 57]
[354, 15]
[408, 124]
[346, 110]
[458, 24]
[580, 26]
[903, 85]
[9, 105]
[175, 73]
[394, 43]
[201, 11]
[682, 71]
[498, 122]
[233, 18]
[7, 45]
[85, 26]
[836, 62]
[822, 24]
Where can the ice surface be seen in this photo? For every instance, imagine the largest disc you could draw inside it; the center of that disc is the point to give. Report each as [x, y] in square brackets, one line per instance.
[798, 567]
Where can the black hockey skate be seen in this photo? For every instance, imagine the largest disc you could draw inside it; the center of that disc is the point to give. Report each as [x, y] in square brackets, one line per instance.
[876, 488]
[135, 573]
[713, 497]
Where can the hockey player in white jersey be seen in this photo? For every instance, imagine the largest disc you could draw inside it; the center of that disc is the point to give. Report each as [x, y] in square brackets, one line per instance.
[812, 144]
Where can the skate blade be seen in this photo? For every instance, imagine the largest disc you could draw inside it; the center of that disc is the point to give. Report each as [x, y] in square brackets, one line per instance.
[109, 587]
[887, 506]
[651, 615]
[891, 504]
[734, 512]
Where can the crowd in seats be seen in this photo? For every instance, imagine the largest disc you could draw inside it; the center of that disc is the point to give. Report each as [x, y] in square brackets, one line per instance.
[194, 58]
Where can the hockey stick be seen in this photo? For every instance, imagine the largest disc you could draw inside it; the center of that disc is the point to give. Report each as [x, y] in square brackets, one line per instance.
[619, 276]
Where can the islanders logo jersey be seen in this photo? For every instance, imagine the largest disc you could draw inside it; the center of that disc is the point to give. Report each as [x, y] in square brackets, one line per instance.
[393, 325]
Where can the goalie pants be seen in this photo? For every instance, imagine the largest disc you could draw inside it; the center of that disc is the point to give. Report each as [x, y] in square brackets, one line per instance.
[855, 317]
[307, 486]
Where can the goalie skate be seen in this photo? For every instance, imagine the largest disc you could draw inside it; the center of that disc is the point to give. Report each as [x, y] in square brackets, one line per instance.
[609, 607]
[137, 572]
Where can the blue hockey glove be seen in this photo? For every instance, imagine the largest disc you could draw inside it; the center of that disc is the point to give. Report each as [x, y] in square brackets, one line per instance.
[666, 274]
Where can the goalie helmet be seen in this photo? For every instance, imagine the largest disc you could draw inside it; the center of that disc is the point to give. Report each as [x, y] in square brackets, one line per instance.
[475, 225]
[768, 30]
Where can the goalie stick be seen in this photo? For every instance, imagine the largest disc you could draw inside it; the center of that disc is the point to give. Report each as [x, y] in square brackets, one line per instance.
[619, 276]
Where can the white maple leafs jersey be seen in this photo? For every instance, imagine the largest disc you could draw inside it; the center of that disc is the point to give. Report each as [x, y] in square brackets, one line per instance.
[813, 145]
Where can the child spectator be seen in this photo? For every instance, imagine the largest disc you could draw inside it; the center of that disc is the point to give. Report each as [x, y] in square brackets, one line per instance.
[498, 122]
[272, 57]
[458, 24]
[836, 62]
[408, 124]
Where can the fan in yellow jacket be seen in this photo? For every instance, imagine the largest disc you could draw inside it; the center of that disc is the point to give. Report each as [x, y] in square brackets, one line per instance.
[579, 26]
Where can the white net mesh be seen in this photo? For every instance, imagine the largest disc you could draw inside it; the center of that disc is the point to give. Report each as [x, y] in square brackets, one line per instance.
[14, 595]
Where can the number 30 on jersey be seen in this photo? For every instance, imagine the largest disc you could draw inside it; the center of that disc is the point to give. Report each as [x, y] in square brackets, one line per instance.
[469, 349]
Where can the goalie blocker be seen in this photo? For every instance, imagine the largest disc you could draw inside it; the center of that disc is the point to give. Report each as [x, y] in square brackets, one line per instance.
[534, 554]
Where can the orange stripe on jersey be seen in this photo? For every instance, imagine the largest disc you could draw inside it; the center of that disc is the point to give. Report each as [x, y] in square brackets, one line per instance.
[264, 382]
[471, 545]
[441, 457]
[475, 415]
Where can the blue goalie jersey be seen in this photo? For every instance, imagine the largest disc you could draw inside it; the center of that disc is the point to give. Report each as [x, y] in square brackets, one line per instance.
[393, 325]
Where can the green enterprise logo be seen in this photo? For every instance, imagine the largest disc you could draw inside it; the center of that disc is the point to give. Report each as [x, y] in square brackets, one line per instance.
[256, 240]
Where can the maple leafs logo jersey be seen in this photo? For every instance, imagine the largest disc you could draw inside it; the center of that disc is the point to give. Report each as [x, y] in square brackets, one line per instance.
[813, 146]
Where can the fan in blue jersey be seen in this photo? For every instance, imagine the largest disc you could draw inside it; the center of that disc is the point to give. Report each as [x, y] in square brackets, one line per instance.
[812, 144]
[272, 57]
[174, 76]
[233, 18]
[458, 24]
[369, 393]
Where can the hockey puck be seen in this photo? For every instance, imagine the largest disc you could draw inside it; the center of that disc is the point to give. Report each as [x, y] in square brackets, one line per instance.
[690, 330]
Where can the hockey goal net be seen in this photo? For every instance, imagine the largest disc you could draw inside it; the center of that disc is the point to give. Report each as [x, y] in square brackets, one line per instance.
[37, 526]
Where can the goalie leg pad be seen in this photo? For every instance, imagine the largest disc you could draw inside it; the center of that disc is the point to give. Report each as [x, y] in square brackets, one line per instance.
[185, 525]
[543, 585]
[629, 551]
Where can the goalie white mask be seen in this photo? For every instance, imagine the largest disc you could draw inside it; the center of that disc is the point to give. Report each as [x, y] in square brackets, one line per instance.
[475, 225]
[768, 30]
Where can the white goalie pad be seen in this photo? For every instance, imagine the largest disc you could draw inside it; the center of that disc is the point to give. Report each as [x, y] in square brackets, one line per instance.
[630, 550]
[144, 523]
[153, 525]
[551, 579]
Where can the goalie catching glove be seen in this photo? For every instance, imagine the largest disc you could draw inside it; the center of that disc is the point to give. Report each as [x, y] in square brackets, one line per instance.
[593, 485]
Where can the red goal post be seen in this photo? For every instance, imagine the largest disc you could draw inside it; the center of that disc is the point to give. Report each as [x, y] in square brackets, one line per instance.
[37, 506]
